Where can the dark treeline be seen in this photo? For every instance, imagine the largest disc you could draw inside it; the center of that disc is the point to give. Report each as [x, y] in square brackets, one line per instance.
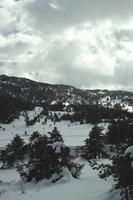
[96, 113]
[120, 131]
[10, 108]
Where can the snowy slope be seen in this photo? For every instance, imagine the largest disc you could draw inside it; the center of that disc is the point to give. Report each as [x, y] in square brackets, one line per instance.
[41, 93]
[74, 134]
[109, 102]
[88, 187]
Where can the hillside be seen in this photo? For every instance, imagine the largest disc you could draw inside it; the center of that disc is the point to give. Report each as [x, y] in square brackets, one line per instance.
[31, 111]
[42, 93]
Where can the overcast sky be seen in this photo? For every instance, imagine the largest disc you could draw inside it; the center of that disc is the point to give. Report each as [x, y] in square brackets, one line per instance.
[84, 43]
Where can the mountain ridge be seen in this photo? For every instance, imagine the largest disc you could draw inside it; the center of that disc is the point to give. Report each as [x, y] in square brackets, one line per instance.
[39, 93]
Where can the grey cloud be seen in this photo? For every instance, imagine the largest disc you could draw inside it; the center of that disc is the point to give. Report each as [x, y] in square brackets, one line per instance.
[57, 59]
[73, 12]
[124, 35]
[87, 78]
[123, 74]
[14, 49]
[76, 77]
[60, 66]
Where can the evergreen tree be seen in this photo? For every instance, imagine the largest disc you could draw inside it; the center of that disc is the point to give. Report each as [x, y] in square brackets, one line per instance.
[56, 118]
[15, 152]
[38, 167]
[94, 144]
[17, 142]
[27, 120]
[113, 134]
[130, 134]
[55, 135]
[122, 171]
[123, 130]
[118, 132]
[48, 158]
[34, 135]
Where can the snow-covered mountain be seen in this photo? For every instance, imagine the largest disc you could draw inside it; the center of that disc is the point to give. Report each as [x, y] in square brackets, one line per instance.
[20, 94]
[42, 93]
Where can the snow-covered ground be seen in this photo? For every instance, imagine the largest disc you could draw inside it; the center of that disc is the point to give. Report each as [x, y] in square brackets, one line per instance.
[88, 187]
[107, 101]
[73, 134]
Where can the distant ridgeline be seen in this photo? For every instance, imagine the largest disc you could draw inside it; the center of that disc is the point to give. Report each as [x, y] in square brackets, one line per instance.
[20, 94]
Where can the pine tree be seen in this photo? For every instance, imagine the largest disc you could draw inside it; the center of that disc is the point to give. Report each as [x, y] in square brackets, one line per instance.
[122, 171]
[27, 120]
[118, 132]
[48, 158]
[94, 144]
[55, 135]
[61, 154]
[15, 152]
[34, 135]
[38, 164]
[113, 134]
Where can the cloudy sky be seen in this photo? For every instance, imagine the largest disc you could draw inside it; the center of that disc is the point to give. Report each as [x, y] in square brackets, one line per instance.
[84, 43]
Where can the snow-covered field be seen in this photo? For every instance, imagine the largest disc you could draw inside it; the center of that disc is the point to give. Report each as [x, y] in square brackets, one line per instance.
[73, 134]
[88, 187]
